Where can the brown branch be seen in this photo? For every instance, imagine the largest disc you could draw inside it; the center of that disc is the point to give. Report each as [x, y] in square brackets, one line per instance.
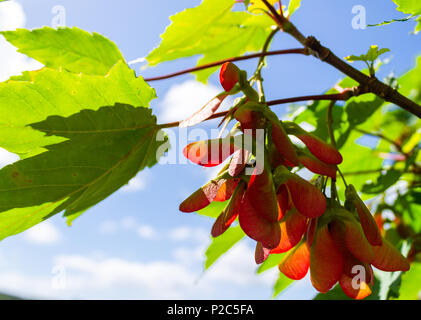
[234, 59]
[368, 84]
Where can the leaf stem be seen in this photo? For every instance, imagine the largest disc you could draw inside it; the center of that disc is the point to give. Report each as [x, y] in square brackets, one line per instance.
[258, 73]
[234, 59]
[346, 94]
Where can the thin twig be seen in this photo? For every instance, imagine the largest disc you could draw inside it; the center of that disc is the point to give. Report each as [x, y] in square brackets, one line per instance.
[339, 96]
[329, 121]
[234, 59]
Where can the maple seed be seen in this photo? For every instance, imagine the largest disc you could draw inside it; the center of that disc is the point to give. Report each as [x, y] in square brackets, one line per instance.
[368, 223]
[283, 144]
[228, 76]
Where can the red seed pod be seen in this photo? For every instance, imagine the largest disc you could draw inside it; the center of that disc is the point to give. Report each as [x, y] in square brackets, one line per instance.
[283, 144]
[357, 291]
[326, 262]
[229, 76]
[230, 212]
[284, 201]
[205, 112]
[316, 166]
[238, 162]
[348, 234]
[256, 226]
[293, 226]
[262, 196]
[356, 275]
[320, 149]
[261, 253]
[249, 119]
[226, 190]
[210, 153]
[311, 230]
[367, 221]
[219, 226]
[202, 197]
[308, 200]
[296, 262]
[388, 258]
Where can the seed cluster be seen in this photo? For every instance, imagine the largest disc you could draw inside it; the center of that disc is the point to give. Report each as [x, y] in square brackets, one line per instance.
[285, 213]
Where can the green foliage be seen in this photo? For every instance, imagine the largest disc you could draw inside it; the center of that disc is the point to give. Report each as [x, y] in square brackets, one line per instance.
[411, 7]
[411, 283]
[70, 48]
[213, 31]
[293, 6]
[408, 6]
[59, 92]
[410, 82]
[222, 244]
[83, 128]
[383, 182]
[370, 57]
[103, 150]
[272, 261]
[213, 210]
[281, 284]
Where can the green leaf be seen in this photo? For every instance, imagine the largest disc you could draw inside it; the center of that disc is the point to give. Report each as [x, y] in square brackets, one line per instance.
[213, 31]
[59, 92]
[411, 283]
[213, 210]
[359, 109]
[384, 181]
[272, 261]
[408, 6]
[103, 150]
[360, 163]
[222, 244]
[281, 284]
[293, 6]
[412, 7]
[70, 48]
[372, 54]
[410, 83]
[408, 206]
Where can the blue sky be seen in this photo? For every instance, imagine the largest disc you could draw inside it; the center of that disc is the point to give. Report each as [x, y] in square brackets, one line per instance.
[136, 244]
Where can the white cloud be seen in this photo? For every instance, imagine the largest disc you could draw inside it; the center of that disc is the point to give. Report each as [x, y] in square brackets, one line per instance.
[108, 227]
[112, 226]
[146, 232]
[11, 16]
[182, 100]
[12, 62]
[185, 233]
[136, 184]
[44, 233]
[90, 277]
[7, 158]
